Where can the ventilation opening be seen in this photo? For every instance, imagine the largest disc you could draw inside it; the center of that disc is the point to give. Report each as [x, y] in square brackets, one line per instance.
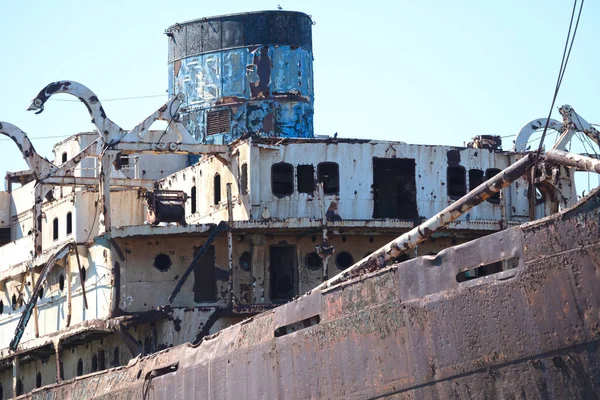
[162, 262]
[116, 357]
[61, 282]
[64, 157]
[313, 261]
[94, 363]
[489, 174]
[246, 261]
[456, 181]
[80, 367]
[244, 179]
[282, 262]
[282, 179]
[217, 189]
[394, 188]
[306, 178]
[38, 380]
[193, 199]
[488, 269]
[296, 326]
[69, 223]
[218, 121]
[344, 260]
[55, 229]
[19, 387]
[329, 174]
[205, 289]
[475, 178]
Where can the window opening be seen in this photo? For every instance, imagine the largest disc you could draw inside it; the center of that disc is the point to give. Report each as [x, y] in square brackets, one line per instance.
[69, 223]
[94, 362]
[14, 301]
[246, 261]
[489, 174]
[19, 387]
[80, 367]
[487, 269]
[205, 289]
[313, 261]
[193, 199]
[306, 178]
[281, 271]
[61, 282]
[38, 380]
[475, 178]
[217, 189]
[329, 174]
[64, 157]
[1, 307]
[55, 229]
[394, 188]
[282, 179]
[456, 181]
[116, 357]
[101, 360]
[344, 260]
[244, 179]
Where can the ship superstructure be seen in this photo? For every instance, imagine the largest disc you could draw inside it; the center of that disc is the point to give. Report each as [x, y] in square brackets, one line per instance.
[133, 241]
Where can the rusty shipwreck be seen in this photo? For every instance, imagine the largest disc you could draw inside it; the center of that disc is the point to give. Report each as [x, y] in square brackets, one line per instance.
[236, 255]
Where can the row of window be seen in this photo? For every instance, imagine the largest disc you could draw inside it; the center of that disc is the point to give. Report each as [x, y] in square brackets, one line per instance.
[456, 176]
[282, 178]
[55, 226]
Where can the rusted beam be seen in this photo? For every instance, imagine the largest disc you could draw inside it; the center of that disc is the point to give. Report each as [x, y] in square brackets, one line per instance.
[230, 242]
[388, 253]
[574, 160]
[211, 238]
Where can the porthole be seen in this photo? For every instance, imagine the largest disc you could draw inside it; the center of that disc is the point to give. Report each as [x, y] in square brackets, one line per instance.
[162, 262]
[344, 260]
[313, 261]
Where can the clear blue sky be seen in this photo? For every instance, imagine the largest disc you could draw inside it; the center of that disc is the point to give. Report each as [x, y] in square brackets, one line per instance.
[434, 72]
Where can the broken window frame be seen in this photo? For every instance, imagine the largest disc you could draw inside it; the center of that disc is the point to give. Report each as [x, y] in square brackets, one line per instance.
[456, 190]
[490, 173]
[305, 178]
[281, 187]
[329, 178]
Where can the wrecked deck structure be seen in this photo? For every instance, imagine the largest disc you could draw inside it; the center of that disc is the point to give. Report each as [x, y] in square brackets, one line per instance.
[178, 261]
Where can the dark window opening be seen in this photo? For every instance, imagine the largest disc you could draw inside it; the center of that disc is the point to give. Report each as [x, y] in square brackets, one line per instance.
[69, 223]
[80, 367]
[38, 380]
[475, 178]
[306, 178]
[101, 360]
[329, 174]
[124, 160]
[489, 174]
[83, 274]
[244, 179]
[246, 261]
[296, 326]
[394, 188]
[205, 289]
[344, 260]
[55, 229]
[1, 392]
[456, 181]
[61, 370]
[193, 199]
[116, 357]
[14, 301]
[281, 271]
[401, 258]
[41, 293]
[313, 261]
[64, 157]
[282, 179]
[94, 363]
[488, 269]
[1, 307]
[217, 189]
[218, 121]
[19, 387]
[61, 282]
[162, 262]
[148, 346]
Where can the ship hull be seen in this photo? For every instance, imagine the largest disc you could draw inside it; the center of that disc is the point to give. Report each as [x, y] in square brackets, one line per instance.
[411, 330]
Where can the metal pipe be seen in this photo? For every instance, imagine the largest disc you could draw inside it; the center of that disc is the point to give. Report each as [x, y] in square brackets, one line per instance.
[574, 160]
[230, 242]
[419, 234]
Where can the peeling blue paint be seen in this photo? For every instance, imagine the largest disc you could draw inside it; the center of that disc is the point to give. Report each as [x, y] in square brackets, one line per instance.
[265, 90]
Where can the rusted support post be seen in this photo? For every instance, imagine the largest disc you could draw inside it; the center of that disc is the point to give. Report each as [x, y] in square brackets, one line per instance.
[59, 376]
[230, 242]
[15, 375]
[36, 324]
[324, 250]
[38, 198]
[419, 234]
[574, 160]
[105, 172]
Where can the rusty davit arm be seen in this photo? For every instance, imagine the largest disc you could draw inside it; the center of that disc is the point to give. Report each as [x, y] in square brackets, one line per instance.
[410, 239]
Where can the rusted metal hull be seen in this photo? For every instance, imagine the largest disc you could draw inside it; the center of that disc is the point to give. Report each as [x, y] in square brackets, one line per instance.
[407, 331]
